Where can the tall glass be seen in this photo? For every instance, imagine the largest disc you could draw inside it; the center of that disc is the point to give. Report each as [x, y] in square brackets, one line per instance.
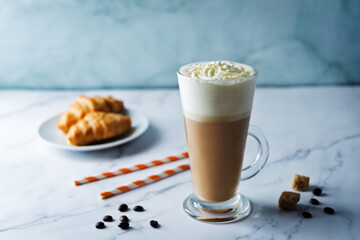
[217, 115]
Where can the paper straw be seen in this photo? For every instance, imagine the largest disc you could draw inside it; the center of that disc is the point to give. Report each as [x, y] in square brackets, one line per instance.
[145, 181]
[137, 167]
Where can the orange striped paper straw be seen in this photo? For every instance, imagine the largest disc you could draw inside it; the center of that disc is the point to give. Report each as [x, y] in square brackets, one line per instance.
[145, 181]
[137, 167]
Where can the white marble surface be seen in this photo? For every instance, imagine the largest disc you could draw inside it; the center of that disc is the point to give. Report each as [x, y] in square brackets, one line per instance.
[311, 131]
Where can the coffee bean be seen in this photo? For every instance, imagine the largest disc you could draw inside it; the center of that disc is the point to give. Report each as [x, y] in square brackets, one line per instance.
[154, 224]
[306, 214]
[124, 218]
[329, 210]
[317, 191]
[138, 209]
[124, 225]
[100, 225]
[123, 207]
[314, 201]
[108, 218]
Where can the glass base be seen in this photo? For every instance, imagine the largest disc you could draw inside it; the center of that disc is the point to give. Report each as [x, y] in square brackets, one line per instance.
[232, 210]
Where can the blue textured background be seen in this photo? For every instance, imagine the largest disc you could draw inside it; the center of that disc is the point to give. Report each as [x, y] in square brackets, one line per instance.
[127, 43]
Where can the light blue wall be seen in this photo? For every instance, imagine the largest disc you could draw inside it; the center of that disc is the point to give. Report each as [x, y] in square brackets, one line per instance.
[128, 43]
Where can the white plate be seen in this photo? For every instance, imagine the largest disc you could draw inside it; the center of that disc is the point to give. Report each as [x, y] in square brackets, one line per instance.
[51, 134]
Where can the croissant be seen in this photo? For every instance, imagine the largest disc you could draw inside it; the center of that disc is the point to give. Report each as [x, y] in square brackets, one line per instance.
[96, 126]
[84, 105]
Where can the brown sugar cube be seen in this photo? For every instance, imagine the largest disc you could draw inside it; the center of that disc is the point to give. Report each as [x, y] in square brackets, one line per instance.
[300, 183]
[288, 200]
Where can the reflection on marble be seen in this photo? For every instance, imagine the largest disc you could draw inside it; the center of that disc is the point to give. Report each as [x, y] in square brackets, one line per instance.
[105, 44]
[311, 131]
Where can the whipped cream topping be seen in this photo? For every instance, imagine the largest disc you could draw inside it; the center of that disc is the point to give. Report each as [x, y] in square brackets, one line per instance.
[222, 100]
[217, 70]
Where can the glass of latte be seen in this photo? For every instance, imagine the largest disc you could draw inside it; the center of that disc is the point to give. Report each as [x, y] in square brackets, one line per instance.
[217, 99]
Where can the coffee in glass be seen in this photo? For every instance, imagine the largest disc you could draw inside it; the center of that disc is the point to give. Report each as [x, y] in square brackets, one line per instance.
[217, 100]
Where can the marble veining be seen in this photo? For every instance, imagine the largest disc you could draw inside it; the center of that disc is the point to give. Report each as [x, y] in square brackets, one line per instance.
[72, 44]
[314, 132]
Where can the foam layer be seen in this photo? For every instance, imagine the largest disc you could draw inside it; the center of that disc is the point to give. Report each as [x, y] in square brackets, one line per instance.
[217, 99]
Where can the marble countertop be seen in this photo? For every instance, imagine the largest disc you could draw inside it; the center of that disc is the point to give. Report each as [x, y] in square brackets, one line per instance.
[311, 131]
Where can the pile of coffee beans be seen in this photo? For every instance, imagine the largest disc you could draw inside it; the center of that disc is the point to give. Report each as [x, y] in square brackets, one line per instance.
[317, 191]
[124, 220]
